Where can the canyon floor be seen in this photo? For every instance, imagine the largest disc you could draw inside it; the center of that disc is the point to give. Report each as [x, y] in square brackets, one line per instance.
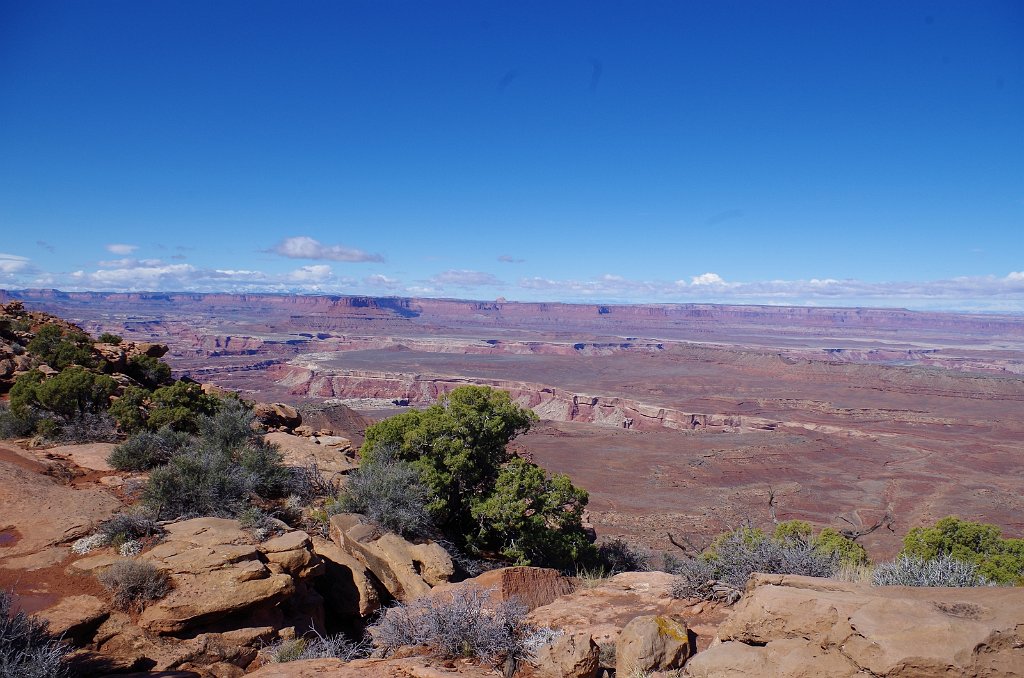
[678, 420]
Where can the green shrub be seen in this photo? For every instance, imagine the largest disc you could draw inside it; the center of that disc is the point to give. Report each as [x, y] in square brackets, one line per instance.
[109, 338]
[148, 371]
[129, 411]
[180, 406]
[480, 495]
[848, 551]
[458, 446]
[74, 391]
[27, 649]
[998, 559]
[60, 349]
[198, 482]
[134, 583]
[533, 518]
[388, 491]
[125, 527]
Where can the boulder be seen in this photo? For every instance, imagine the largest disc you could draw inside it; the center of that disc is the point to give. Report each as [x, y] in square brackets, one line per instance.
[570, 655]
[405, 569]
[653, 643]
[218, 572]
[297, 451]
[76, 617]
[350, 588]
[801, 626]
[277, 415]
[532, 586]
[293, 553]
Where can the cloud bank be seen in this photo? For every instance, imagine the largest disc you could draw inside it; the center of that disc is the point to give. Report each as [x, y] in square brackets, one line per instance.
[304, 247]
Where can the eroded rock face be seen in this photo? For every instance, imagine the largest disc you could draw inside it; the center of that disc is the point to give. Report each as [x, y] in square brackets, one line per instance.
[277, 415]
[406, 570]
[217, 572]
[531, 586]
[802, 626]
[349, 587]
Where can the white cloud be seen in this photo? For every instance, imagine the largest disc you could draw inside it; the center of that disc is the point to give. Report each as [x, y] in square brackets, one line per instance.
[463, 278]
[382, 281]
[1015, 276]
[12, 263]
[121, 248]
[304, 247]
[318, 273]
[707, 279]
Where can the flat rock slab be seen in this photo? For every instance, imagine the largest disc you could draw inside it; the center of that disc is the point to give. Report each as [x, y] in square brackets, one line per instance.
[784, 624]
[46, 513]
[92, 456]
[328, 453]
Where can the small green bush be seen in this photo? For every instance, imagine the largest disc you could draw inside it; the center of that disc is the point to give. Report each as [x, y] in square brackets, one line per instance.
[134, 583]
[148, 371]
[998, 559]
[73, 392]
[129, 410]
[198, 482]
[180, 406]
[27, 649]
[60, 349]
[110, 338]
[125, 527]
[388, 491]
[217, 471]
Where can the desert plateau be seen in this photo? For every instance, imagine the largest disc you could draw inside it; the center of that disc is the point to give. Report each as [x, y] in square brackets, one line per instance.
[676, 418]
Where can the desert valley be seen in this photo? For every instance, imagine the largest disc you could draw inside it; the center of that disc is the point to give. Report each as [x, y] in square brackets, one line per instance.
[676, 418]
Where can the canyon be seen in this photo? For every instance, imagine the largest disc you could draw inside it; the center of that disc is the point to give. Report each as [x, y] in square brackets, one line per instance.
[678, 419]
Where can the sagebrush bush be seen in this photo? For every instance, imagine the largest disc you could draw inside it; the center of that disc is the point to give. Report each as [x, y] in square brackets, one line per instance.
[943, 570]
[125, 527]
[217, 472]
[198, 482]
[134, 583]
[145, 449]
[17, 424]
[998, 558]
[462, 623]
[389, 493]
[336, 646]
[618, 555]
[27, 649]
[735, 556]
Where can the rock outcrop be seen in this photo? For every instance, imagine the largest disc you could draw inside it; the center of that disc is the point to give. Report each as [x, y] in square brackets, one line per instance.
[406, 570]
[790, 626]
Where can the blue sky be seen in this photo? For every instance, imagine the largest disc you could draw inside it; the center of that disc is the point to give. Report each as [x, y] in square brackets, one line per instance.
[829, 153]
